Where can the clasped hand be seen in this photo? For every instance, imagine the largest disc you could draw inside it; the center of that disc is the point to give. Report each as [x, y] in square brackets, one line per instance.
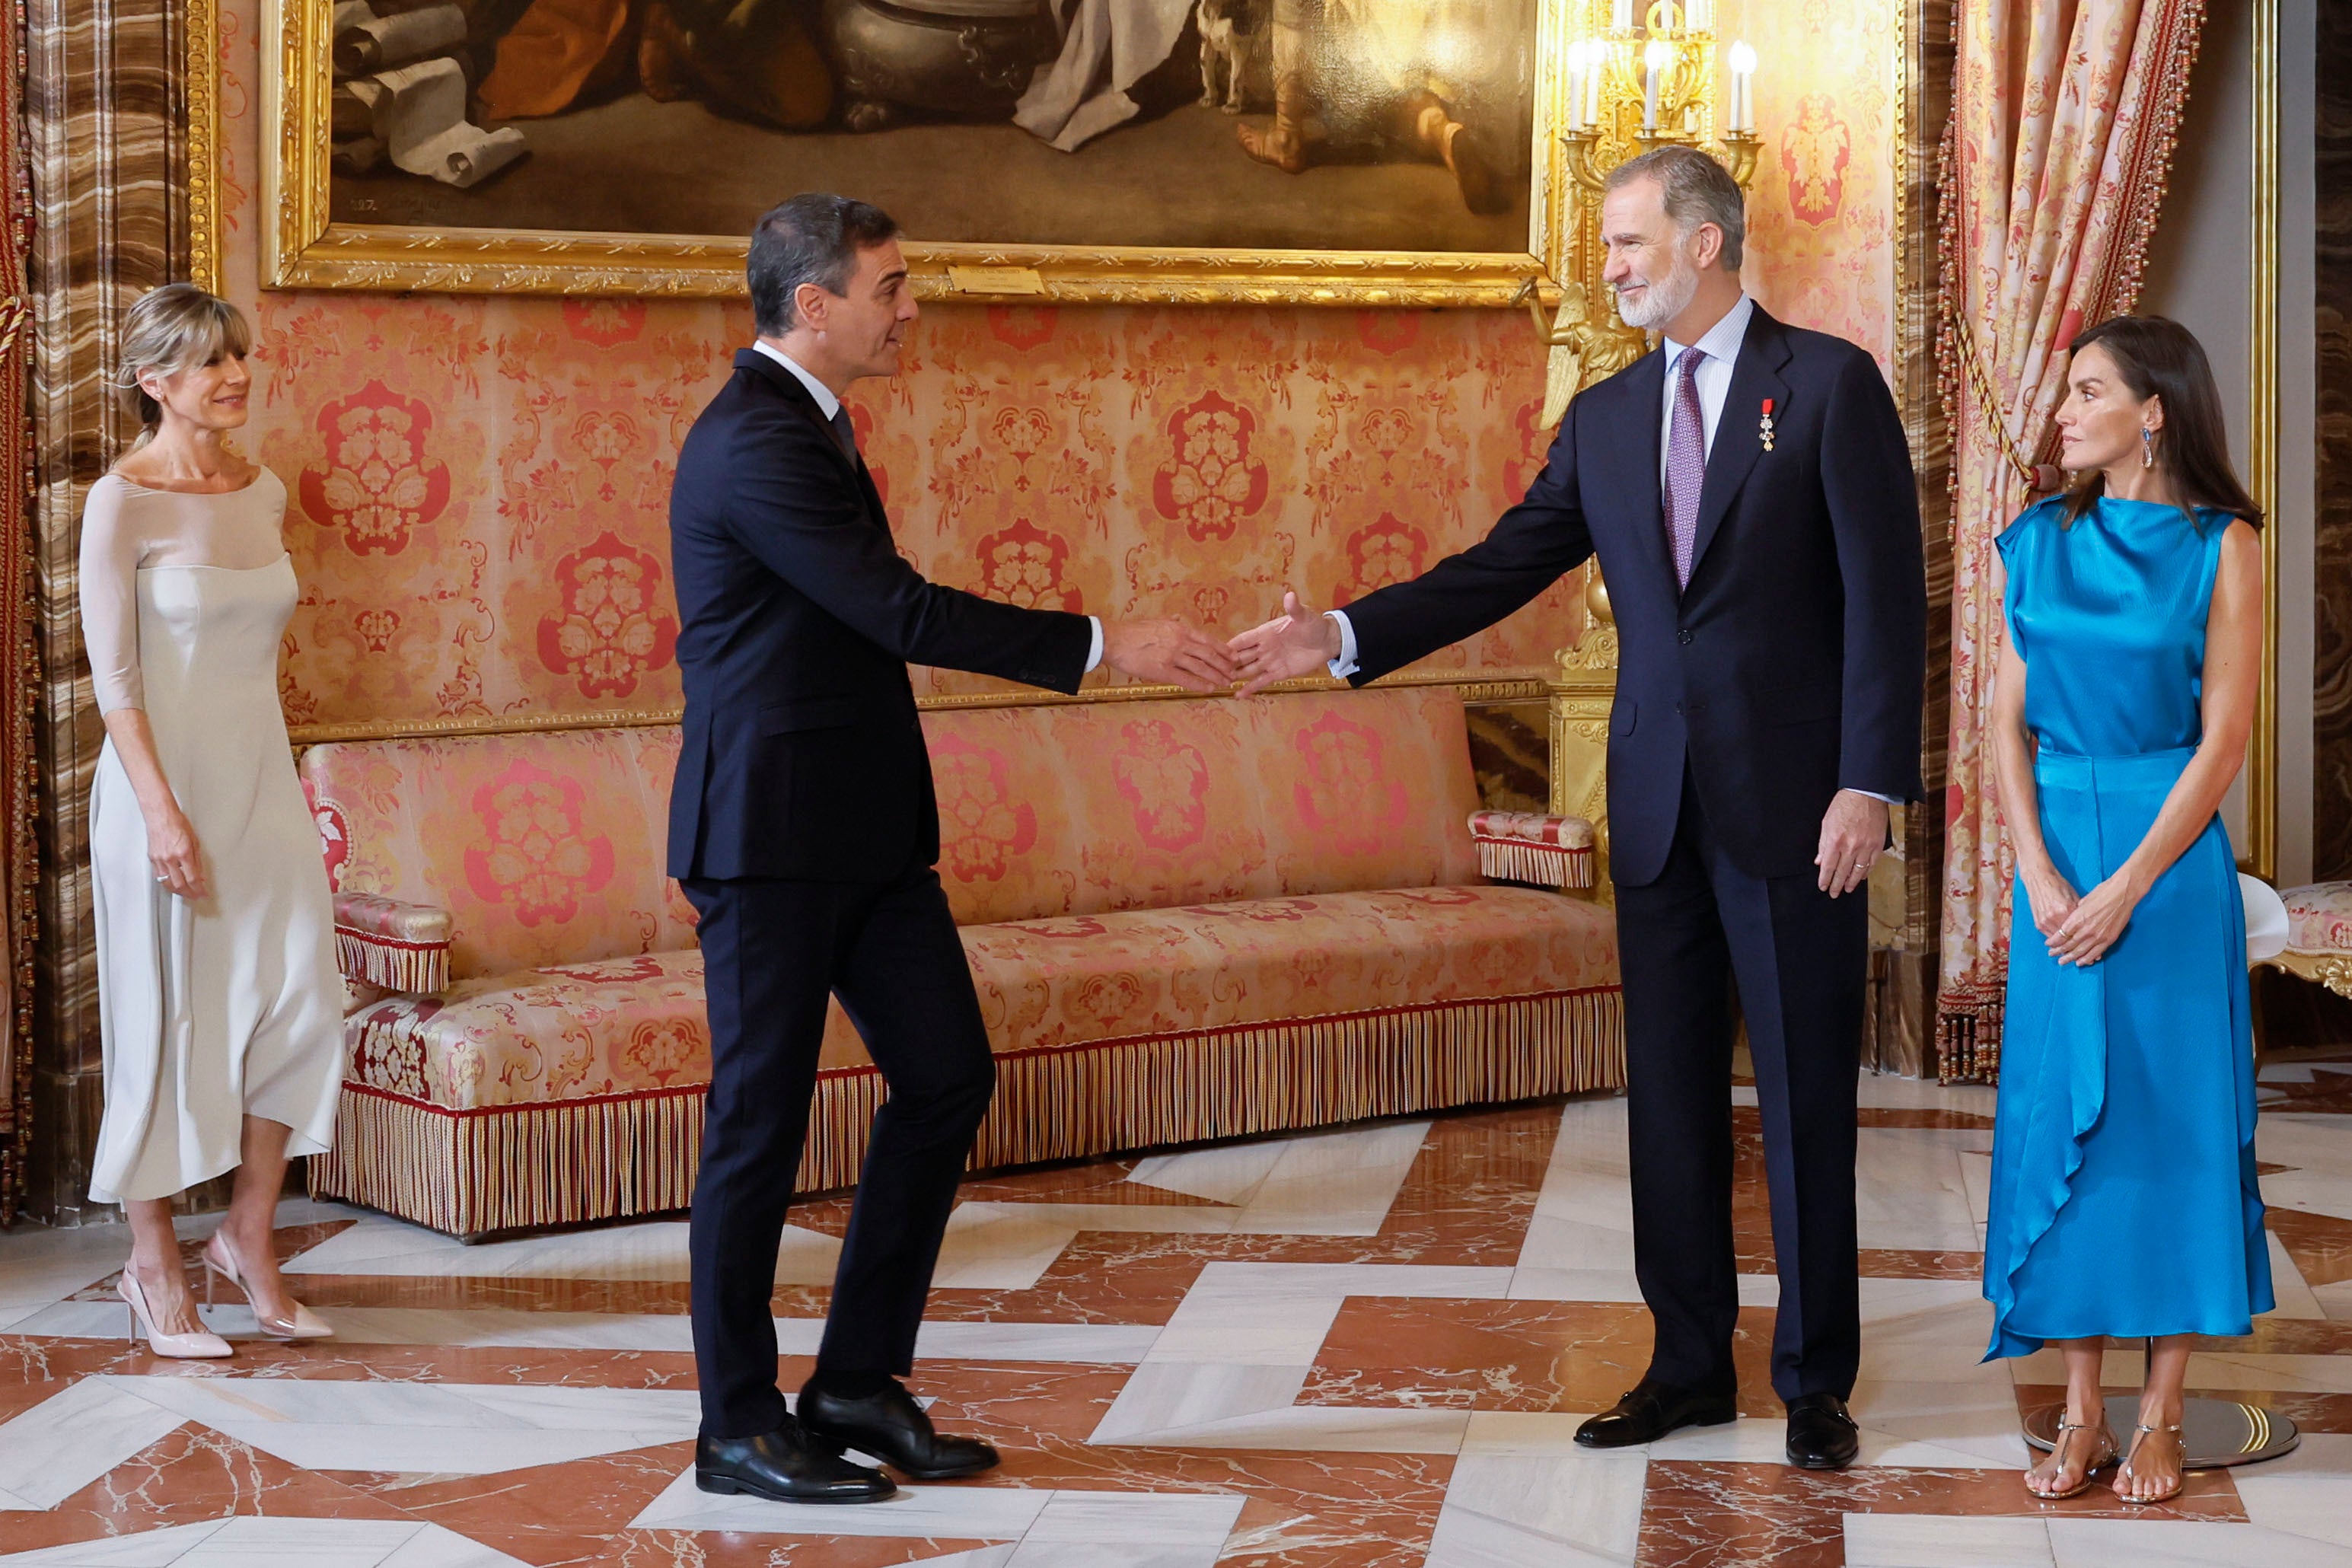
[1296, 642]
[2079, 928]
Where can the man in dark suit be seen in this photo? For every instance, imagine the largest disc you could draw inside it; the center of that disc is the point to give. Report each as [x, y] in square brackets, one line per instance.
[1748, 491]
[804, 827]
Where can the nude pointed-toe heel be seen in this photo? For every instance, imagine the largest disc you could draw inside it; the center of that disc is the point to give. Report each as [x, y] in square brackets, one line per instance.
[201, 1345]
[305, 1324]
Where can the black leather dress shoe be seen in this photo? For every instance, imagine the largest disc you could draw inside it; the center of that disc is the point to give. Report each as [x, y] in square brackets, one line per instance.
[1821, 1436]
[1651, 1411]
[785, 1466]
[892, 1427]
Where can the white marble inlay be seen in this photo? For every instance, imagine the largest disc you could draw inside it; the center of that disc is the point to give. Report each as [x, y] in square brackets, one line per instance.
[1331, 1184]
[1523, 1496]
[2311, 1192]
[648, 1251]
[1115, 1530]
[71, 1438]
[1910, 1192]
[297, 1543]
[2287, 1285]
[2185, 1543]
[1944, 1541]
[1124, 1529]
[1941, 1426]
[443, 1428]
[1108, 1344]
[2307, 1141]
[1889, 1091]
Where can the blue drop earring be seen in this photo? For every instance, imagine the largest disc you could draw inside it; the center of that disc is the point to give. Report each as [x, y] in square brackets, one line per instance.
[2147, 447]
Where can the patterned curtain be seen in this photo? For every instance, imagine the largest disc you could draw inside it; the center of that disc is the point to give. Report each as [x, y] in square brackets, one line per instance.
[2055, 161]
[16, 664]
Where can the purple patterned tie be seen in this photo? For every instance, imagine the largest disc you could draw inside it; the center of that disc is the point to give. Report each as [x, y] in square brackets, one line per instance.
[1686, 465]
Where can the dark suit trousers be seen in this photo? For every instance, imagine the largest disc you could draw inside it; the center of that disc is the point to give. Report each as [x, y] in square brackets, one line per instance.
[772, 952]
[1800, 958]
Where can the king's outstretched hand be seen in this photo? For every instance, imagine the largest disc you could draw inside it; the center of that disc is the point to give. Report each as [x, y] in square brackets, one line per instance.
[1168, 650]
[1299, 641]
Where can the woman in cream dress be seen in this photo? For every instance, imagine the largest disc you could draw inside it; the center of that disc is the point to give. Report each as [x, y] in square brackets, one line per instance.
[219, 1004]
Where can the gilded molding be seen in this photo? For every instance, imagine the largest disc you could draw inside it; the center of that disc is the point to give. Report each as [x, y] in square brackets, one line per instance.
[200, 84]
[301, 247]
[2262, 439]
[2331, 970]
[1505, 685]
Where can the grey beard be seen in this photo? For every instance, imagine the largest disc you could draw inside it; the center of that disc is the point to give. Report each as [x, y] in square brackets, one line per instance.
[1665, 300]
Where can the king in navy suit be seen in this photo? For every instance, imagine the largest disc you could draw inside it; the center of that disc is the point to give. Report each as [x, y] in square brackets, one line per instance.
[804, 829]
[1749, 490]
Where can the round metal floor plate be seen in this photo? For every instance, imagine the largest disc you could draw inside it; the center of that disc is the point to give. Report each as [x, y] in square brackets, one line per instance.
[2214, 1433]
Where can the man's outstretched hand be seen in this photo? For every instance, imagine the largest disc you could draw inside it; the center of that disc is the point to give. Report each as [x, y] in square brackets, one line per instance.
[1295, 643]
[1168, 650]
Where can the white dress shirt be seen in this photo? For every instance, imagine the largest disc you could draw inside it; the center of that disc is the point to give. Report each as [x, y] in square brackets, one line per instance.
[1712, 381]
[1720, 344]
[828, 405]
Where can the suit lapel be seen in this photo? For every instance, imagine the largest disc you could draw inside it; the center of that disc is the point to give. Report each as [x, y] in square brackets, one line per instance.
[789, 384]
[1738, 434]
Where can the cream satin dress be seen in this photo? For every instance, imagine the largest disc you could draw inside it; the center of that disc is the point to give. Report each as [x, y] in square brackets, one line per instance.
[212, 1009]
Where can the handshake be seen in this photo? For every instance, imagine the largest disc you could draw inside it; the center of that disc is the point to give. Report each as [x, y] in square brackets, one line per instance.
[1299, 641]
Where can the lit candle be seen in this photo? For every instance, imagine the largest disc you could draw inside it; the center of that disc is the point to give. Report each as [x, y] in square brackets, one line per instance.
[1743, 87]
[1655, 61]
[1576, 58]
[1620, 16]
[1596, 69]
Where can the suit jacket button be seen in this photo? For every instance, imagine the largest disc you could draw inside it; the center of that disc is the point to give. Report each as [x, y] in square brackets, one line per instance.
[1684, 636]
[1678, 707]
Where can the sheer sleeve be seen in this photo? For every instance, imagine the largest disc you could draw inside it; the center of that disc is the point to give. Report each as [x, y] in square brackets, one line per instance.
[111, 548]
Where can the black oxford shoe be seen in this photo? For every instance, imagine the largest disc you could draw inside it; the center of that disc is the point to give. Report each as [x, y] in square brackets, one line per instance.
[784, 1466]
[1651, 1411]
[1821, 1436]
[892, 1427]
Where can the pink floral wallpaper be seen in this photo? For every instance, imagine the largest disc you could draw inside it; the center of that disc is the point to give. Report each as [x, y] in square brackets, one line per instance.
[479, 485]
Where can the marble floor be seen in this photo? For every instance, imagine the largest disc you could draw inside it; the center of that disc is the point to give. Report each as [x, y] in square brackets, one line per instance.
[1366, 1347]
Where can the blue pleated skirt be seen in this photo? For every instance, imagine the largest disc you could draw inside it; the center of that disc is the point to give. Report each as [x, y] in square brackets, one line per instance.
[2123, 1198]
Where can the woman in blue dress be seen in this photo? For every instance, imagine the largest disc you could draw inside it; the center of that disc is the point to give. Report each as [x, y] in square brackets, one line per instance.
[2124, 1201]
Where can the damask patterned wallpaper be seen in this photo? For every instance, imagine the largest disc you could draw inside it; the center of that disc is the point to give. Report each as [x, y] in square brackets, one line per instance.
[479, 485]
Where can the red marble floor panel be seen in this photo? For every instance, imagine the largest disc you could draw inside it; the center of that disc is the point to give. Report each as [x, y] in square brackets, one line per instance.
[1697, 1515]
[2320, 1244]
[193, 1475]
[1508, 1355]
[1907, 1116]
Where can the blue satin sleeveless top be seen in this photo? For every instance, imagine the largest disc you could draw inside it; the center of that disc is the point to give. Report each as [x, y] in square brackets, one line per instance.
[2119, 600]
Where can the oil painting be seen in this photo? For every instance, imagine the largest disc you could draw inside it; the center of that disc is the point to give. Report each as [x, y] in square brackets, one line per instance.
[584, 145]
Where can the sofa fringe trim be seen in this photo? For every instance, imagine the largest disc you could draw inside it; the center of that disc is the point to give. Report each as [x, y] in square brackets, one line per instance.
[421, 968]
[477, 1171]
[1545, 864]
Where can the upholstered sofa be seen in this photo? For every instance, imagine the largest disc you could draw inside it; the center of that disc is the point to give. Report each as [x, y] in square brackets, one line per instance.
[1187, 920]
[2318, 934]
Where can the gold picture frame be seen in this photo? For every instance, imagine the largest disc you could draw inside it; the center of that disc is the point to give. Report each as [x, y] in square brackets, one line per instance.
[302, 247]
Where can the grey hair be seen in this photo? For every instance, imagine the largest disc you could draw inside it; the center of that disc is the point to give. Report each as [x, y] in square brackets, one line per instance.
[814, 237]
[1697, 190]
[173, 329]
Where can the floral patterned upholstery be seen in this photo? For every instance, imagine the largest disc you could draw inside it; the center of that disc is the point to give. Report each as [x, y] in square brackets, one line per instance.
[2319, 917]
[544, 849]
[1078, 808]
[1186, 920]
[625, 1026]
